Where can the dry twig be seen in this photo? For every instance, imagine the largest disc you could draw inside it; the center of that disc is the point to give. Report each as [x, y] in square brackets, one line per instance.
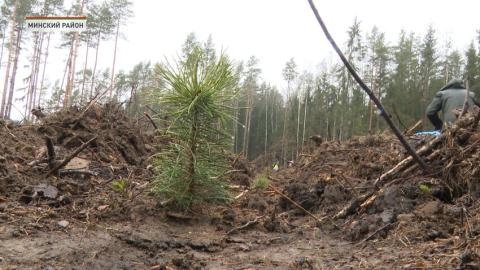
[246, 225]
[300, 207]
[71, 156]
[151, 120]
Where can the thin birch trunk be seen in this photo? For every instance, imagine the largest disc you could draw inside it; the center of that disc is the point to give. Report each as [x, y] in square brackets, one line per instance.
[370, 105]
[84, 71]
[14, 75]
[3, 45]
[95, 65]
[246, 130]
[298, 124]
[66, 97]
[114, 59]
[284, 150]
[235, 127]
[36, 73]
[247, 142]
[266, 121]
[71, 77]
[64, 74]
[43, 71]
[304, 121]
[32, 71]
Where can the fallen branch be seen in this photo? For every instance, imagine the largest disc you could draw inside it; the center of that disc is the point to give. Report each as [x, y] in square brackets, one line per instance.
[352, 187]
[142, 189]
[299, 206]
[246, 225]
[166, 202]
[150, 108]
[71, 156]
[151, 120]
[410, 130]
[353, 205]
[50, 152]
[376, 232]
[361, 201]
[368, 198]
[241, 194]
[35, 162]
[178, 216]
[407, 161]
[431, 157]
[76, 171]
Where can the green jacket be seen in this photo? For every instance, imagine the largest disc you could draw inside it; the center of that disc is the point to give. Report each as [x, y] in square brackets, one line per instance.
[449, 98]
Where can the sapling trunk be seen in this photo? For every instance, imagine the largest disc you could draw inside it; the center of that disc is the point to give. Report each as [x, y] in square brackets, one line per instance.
[193, 151]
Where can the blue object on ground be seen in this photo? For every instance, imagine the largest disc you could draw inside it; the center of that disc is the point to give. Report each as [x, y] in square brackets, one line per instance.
[432, 133]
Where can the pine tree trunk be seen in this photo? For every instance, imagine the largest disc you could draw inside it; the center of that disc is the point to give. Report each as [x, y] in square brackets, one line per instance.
[66, 97]
[14, 75]
[273, 123]
[71, 72]
[9, 60]
[63, 78]
[370, 105]
[334, 130]
[266, 122]
[284, 137]
[424, 102]
[340, 128]
[30, 81]
[71, 77]
[110, 89]
[3, 45]
[235, 127]
[247, 142]
[304, 121]
[246, 130]
[284, 150]
[377, 117]
[245, 126]
[298, 124]
[327, 131]
[95, 66]
[43, 71]
[84, 71]
[193, 152]
[130, 99]
[37, 72]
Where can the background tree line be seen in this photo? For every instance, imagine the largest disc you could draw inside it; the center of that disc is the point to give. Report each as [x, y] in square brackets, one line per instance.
[405, 76]
[270, 121]
[274, 123]
[26, 53]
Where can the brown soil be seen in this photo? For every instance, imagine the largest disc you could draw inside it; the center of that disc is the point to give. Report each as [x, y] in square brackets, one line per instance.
[78, 220]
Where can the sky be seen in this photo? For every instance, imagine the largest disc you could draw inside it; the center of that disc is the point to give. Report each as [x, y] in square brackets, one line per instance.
[277, 30]
[272, 30]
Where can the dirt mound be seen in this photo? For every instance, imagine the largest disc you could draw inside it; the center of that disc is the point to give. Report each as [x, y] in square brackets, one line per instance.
[120, 140]
[95, 183]
[367, 189]
[334, 172]
[354, 204]
[242, 172]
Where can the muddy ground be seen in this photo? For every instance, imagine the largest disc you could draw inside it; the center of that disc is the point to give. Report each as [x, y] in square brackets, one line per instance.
[98, 212]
